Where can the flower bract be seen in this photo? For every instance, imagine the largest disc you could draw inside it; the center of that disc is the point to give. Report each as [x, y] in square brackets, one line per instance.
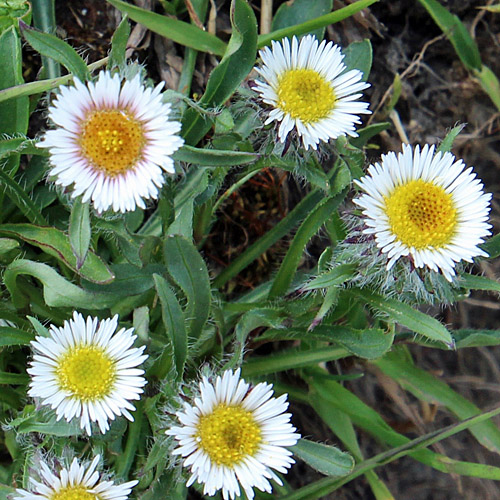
[234, 435]
[309, 89]
[87, 370]
[79, 482]
[425, 205]
[113, 141]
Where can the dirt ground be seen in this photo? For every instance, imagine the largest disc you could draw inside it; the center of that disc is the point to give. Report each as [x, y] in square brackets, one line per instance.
[437, 93]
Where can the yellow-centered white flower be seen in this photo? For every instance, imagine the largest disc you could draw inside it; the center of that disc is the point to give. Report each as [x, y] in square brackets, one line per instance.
[86, 370]
[113, 141]
[309, 90]
[79, 482]
[234, 435]
[425, 205]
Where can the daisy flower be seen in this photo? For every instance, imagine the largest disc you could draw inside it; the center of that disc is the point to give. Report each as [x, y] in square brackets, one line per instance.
[86, 370]
[113, 140]
[233, 435]
[425, 205]
[309, 89]
[79, 482]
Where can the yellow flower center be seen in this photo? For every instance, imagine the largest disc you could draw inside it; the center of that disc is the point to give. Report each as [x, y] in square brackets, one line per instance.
[421, 214]
[87, 372]
[74, 493]
[228, 434]
[112, 140]
[305, 94]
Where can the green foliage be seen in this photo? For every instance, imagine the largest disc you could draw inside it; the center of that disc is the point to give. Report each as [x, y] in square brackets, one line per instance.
[175, 271]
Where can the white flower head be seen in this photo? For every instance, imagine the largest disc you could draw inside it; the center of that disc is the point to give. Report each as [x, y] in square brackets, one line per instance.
[234, 435]
[113, 141]
[425, 205]
[79, 482]
[86, 370]
[309, 89]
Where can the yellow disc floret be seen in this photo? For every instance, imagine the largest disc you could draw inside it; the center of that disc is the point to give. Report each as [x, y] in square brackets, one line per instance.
[74, 493]
[304, 94]
[421, 214]
[228, 434]
[87, 372]
[112, 140]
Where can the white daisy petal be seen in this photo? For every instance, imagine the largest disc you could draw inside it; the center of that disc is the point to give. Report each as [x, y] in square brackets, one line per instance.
[425, 205]
[91, 375]
[79, 481]
[309, 90]
[106, 131]
[234, 435]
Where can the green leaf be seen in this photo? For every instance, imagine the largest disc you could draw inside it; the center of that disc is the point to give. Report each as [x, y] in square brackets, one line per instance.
[299, 11]
[188, 269]
[57, 244]
[309, 227]
[238, 61]
[178, 31]
[213, 157]
[490, 83]
[20, 198]
[291, 358]
[57, 291]
[456, 33]
[473, 282]
[476, 338]
[57, 49]
[397, 364]
[328, 460]
[366, 133]
[10, 336]
[119, 43]
[405, 315]
[11, 145]
[359, 55]
[335, 276]
[79, 231]
[314, 24]
[45, 423]
[14, 114]
[448, 141]
[492, 246]
[173, 319]
[14, 378]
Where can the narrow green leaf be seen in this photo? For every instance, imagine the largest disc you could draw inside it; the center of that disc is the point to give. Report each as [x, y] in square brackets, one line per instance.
[405, 315]
[119, 43]
[366, 133]
[44, 19]
[328, 460]
[79, 231]
[335, 276]
[490, 84]
[311, 225]
[188, 269]
[456, 33]
[213, 157]
[476, 338]
[178, 31]
[173, 319]
[397, 365]
[492, 246]
[359, 55]
[299, 11]
[314, 24]
[14, 378]
[448, 141]
[473, 282]
[238, 61]
[21, 199]
[11, 145]
[57, 49]
[291, 358]
[58, 245]
[14, 336]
